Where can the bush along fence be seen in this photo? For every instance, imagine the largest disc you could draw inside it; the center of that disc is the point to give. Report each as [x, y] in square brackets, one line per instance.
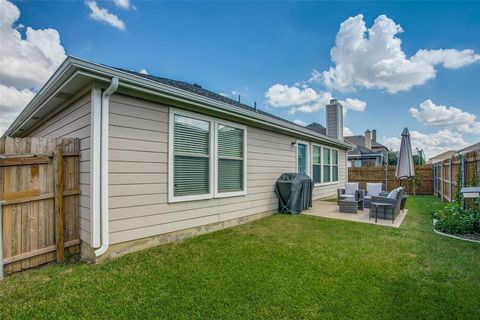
[452, 174]
[39, 192]
[423, 183]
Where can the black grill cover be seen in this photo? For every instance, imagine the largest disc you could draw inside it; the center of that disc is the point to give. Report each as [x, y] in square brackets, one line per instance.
[294, 192]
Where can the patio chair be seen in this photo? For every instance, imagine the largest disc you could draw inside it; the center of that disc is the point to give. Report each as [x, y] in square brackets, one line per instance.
[373, 190]
[351, 191]
[390, 205]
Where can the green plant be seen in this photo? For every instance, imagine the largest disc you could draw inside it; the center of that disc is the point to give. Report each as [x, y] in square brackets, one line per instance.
[453, 219]
[458, 196]
[415, 182]
[474, 183]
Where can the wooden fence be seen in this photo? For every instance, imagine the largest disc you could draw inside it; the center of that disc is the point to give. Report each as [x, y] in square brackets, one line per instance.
[445, 173]
[39, 189]
[377, 174]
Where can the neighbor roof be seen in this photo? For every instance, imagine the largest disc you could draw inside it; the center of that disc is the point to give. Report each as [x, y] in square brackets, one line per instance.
[359, 141]
[359, 150]
[473, 147]
[317, 127]
[442, 156]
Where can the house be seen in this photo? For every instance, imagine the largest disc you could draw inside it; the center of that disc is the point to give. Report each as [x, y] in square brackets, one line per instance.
[442, 156]
[162, 160]
[450, 153]
[367, 152]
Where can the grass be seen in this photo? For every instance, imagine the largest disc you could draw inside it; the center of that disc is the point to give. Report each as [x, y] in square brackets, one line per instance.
[278, 267]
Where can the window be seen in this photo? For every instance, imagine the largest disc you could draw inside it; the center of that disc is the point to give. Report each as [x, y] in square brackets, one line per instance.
[191, 156]
[302, 158]
[230, 159]
[326, 165]
[206, 157]
[317, 164]
[334, 165]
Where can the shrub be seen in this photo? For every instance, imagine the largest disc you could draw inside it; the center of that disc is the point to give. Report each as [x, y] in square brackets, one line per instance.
[453, 219]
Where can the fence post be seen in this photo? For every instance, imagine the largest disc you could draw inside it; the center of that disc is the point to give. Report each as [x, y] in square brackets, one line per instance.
[1, 240]
[59, 224]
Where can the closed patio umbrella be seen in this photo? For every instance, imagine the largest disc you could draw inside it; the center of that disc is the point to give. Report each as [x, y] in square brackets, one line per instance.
[405, 168]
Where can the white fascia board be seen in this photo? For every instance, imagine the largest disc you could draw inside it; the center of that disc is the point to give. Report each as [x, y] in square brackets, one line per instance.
[154, 88]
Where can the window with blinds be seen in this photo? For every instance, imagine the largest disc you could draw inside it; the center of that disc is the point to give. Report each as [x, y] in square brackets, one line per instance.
[191, 156]
[230, 158]
[207, 158]
[317, 164]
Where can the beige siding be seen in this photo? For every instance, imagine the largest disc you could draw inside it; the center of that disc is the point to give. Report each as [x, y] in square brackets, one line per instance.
[74, 121]
[138, 175]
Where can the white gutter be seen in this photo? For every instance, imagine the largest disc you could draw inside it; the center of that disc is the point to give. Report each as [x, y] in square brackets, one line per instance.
[104, 166]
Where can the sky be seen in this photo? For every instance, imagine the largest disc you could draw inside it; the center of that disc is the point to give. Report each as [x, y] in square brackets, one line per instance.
[391, 64]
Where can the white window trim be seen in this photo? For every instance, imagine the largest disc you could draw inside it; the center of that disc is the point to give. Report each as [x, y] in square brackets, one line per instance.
[233, 193]
[213, 156]
[307, 144]
[323, 163]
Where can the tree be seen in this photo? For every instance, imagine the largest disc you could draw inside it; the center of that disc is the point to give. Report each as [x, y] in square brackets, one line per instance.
[415, 182]
[392, 157]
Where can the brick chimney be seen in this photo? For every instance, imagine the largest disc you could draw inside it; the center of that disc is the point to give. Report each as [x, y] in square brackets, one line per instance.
[334, 113]
[374, 135]
[368, 139]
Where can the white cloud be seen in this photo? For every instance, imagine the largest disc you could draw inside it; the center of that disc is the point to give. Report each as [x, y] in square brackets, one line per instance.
[300, 122]
[373, 58]
[432, 144]
[353, 104]
[13, 100]
[124, 4]
[25, 63]
[347, 132]
[431, 114]
[102, 14]
[301, 98]
[282, 95]
[449, 58]
[143, 71]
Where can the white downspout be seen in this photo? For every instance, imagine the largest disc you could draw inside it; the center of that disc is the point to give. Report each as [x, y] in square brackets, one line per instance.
[104, 166]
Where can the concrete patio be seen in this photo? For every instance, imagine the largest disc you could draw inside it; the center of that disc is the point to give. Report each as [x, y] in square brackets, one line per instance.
[329, 209]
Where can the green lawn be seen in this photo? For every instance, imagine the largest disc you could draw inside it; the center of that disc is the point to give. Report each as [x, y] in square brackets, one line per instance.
[278, 267]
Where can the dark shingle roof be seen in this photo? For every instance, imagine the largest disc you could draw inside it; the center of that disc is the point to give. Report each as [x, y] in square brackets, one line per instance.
[359, 150]
[317, 127]
[197, 89]
[359, 141]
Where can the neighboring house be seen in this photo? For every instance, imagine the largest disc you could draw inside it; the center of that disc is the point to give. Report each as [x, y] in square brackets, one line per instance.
[474, 147]
[450, 153]
[367, 152]
[442, 156]
[162, 160]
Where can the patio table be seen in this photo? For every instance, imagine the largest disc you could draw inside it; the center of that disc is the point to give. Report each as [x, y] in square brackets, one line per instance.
[383, 205]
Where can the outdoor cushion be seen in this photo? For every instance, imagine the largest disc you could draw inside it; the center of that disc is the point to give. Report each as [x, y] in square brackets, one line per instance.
[367, 197]
[374, 189]
[393, 193]
[351, 188]
[347, 196]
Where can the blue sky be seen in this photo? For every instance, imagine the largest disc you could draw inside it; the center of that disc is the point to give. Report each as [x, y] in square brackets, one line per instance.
[247, 48]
